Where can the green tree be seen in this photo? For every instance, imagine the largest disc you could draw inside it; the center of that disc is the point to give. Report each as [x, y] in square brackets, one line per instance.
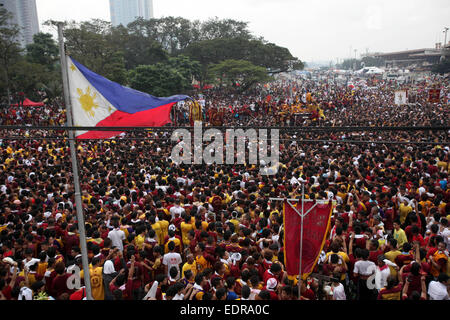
[226, 28]
[161, 80]
[28, 77]
[43, 50]
[90, 44]
[230, 72]
[268, 55]
[173, 33]
[137, 48]
[9, 48]
[275, 58]
[188, 68]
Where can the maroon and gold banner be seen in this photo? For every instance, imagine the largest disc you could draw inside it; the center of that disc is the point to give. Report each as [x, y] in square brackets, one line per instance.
[434, 95]
[315, 227]
[216, 117]
[195, 112]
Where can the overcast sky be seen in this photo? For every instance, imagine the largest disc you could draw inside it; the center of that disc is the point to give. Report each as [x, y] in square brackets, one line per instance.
[313, 30]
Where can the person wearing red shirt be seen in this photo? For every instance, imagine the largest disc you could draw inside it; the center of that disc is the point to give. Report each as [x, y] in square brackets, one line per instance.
[71, 239]
[389, 217]
[415, 295]
[412, 274]
[5, 289]
[405, 257]
[124, 284]
[408, 230]
[275, 271]
[374, 250]
[59, 283]
[417, 237]
[305, 292]
[271, 287]
[434, 232]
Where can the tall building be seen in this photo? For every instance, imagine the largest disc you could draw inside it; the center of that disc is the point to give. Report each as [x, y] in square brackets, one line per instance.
[24, 14]
[126, 11]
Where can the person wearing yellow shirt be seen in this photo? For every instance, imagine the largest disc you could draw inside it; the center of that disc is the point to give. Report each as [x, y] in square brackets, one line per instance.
[157, 227]
[399, 234]
[392, 254]
[86, 197]
[426, 205]
[228, 198]
[200, 224]
[201, 262]
[96, 274]
[186, 226]
[164, 225]
[140, 238]
[234, 220]
[335, 249]
[404, 209]
[171, 237]
[42, 264]
[190, 264]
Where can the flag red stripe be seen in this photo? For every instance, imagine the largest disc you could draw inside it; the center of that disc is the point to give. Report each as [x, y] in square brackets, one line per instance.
[156, 117]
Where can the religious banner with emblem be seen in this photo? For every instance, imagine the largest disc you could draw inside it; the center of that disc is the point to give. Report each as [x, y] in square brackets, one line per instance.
[216, 117]
[195, 112]
[401, 97]
[434, 95]
[316, 224]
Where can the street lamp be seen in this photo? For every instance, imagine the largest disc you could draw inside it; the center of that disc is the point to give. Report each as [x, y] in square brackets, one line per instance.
[445, 31]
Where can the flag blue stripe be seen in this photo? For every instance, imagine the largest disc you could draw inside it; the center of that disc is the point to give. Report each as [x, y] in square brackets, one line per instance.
[123, 98]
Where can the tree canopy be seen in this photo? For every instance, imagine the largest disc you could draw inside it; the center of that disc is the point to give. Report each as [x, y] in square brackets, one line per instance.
[238, 73]
[159, 56]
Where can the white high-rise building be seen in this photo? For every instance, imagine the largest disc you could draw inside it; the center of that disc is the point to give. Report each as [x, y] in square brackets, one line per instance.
[126, 11]
[24, 14]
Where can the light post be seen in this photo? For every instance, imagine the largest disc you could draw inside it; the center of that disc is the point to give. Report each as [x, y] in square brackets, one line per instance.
[445, 39]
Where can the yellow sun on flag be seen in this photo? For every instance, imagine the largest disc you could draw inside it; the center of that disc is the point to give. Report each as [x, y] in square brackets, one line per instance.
[72, 67]
[87, 101]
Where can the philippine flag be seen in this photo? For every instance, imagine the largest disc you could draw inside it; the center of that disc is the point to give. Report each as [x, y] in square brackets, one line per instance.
[99, 102]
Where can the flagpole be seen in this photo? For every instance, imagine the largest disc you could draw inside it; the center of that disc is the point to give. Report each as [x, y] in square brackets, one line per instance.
[73, 155]
[301, 241]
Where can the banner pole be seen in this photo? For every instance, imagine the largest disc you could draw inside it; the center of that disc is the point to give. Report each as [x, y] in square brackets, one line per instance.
[301, 242]
[73, 155]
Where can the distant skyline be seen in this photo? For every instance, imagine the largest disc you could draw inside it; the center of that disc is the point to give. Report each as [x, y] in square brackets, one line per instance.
[123, 12]
[312, 30]
[24, 14]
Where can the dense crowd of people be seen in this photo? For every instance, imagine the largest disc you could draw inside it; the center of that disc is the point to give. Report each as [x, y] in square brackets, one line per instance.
[161, 231]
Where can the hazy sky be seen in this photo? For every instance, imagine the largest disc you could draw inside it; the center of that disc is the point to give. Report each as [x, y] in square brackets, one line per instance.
[312, 30]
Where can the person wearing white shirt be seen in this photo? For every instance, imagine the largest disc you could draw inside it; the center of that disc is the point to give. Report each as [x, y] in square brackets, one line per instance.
[172, 259]
[363, 270]
[117, 236]
[176, 209]
[383, 272]
[437, 290]
[337, 288]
